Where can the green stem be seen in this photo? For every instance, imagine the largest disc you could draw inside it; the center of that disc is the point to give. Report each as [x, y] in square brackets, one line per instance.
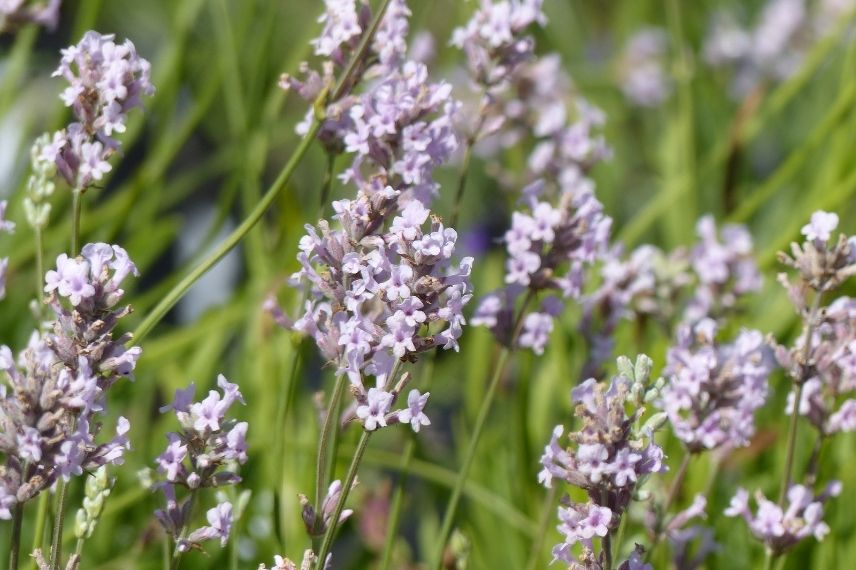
[59, 519]
[322, 461]
[176, 553]
[481, 419]
[40, 263]
[15, 541]
[795, 413]
[674, 490]
[395, 506]
[465, 166]
[327, 542]
[41, 521]
[177, 292]
[541, 535]
[76, 207]
[769, 558]
[327, 184]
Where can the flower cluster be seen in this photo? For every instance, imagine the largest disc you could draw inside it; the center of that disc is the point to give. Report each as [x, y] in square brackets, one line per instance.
[726, 270]
[774, 47]
[548, 248]
[644, 78]
[8, 227]
[609, 456]
[58, 384]
[202, 454]
[317, 525]
[780, 529]
[106, 80]
[15, 13]
[714, 389]
[345, 23]
[493, 40]
[379, 298]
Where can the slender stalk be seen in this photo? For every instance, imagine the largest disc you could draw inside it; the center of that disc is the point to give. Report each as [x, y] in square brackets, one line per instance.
[541, 535]
[177, 292]
[322, 461]
[465, 166]
[674, 491]
[59, 519]
[327, 184]
[769, 558]
[15, 542]
[814, 460]
[41, 521]
[40, 263]
[795, 414]
[76, 207]
[395, 505]
[481, 419]
[176, 553]
[327, 542]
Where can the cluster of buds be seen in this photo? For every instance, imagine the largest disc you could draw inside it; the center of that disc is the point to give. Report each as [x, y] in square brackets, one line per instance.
[714, 389]
[280, 563]
[58, 384]
[98, 488]
[201, 455]
[376, 298]
[317, 523]
[781, 529]
[106, 80]
[610, 457]
[15, 13]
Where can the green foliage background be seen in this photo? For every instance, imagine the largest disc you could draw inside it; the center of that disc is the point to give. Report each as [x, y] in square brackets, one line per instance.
[218, 131]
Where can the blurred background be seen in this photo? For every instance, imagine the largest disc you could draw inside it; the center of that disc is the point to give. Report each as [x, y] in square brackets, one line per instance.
[700, 132]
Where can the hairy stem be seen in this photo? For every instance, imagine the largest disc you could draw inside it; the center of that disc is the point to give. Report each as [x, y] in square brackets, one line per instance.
[59, 519]
[15, 540]
[330, 422]
[481, 419]
[395, 505]
[327, 542]
[76, 208]
[465, 166]
[674, 491]
[541, 535]
[795, 414]
[41, 521]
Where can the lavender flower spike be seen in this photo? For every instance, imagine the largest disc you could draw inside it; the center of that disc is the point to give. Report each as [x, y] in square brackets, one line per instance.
[106, 80]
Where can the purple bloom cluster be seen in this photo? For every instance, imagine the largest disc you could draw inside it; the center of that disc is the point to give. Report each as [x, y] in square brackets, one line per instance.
[726, 270]
[609, 456]
[776, 45]
[280, 563]
[201, 455]
[548, 248]
[493, 40]
[317, 525]
[644, 78]
[15, 13]
[58, 384]
[106, 80]
[780, 529]
[345, 22]
[714, 389]
[377, 297]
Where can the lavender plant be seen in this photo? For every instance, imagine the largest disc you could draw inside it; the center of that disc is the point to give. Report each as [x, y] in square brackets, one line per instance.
[203, 454]
[16, 13]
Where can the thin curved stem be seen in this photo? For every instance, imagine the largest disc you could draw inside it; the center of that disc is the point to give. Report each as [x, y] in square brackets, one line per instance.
[15, 540]
[327, 542]
[481, 419]
[59, 519]
[177, 292]
[795, 414]
[41, 521]
[395, 505]
[323, 457]
[76, 209]
[546, 512]
[674, 491]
